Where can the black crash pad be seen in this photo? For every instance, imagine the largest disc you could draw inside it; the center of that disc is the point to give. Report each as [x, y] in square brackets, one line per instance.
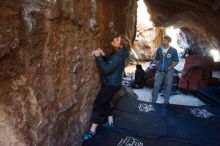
[110, 137]
[204, 113]
[210, 95]
[169, 125]
[140, 125]
[133, 106]
[193, 131]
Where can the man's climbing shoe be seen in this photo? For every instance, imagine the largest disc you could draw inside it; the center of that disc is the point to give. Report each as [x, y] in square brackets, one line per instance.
[107, 125]
[88, 135]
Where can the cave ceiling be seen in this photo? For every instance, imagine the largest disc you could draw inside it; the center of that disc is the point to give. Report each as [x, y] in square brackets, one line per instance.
[199, 14]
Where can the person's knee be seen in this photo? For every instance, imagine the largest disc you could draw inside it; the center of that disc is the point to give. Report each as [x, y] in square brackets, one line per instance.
[169, 84]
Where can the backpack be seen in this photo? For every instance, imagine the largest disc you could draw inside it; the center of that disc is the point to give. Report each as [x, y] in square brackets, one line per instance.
[149, 75]
[196, 73]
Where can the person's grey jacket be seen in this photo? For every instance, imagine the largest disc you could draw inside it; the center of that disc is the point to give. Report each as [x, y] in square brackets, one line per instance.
[113, 67]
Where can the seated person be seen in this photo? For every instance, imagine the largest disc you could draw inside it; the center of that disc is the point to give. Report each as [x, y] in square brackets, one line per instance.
[139, 80]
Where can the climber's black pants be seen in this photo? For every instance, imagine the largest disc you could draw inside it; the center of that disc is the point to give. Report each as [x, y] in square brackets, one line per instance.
[101, 103]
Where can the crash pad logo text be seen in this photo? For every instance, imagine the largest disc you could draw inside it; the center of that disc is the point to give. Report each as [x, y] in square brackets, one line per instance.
[201, 113]
[130, 141]
[145, 107]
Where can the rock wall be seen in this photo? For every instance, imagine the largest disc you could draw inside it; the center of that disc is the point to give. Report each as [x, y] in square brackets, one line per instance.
[48, 77]
[147, 42]
[197, 42]
[202, 15]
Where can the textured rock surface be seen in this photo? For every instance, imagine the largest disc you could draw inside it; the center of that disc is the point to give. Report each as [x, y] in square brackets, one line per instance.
[146, 43]
[48, 77]
[202, 15]
[197, 42]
